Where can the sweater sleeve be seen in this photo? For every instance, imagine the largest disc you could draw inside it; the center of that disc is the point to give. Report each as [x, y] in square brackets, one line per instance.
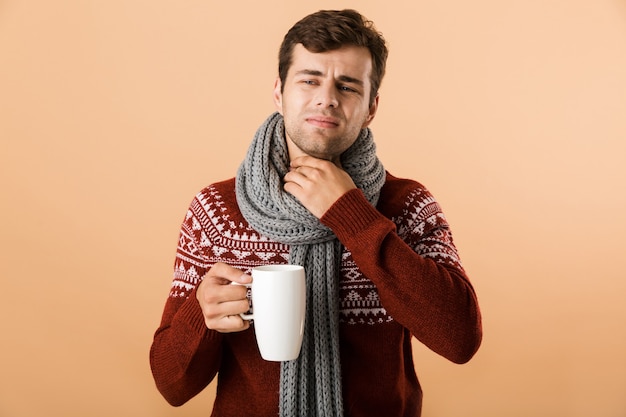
[418, 276]
[185, 355]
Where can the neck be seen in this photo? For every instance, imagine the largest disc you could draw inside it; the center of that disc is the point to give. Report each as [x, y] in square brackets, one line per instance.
[295, 152]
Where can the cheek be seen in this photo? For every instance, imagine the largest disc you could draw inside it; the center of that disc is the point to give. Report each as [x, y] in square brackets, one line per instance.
[366, 117]
[295, 103]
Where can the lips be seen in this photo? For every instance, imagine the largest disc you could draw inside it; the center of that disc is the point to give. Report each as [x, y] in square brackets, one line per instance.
[323, 121]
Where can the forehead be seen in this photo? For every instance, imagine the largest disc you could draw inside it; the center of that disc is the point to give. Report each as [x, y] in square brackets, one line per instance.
[352, 61]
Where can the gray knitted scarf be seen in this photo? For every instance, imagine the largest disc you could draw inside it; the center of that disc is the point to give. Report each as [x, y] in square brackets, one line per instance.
[311, 384]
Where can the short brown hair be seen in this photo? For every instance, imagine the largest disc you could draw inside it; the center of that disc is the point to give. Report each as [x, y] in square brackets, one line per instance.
[328, 30]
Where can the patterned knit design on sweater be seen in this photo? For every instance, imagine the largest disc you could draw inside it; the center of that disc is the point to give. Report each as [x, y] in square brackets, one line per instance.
[210, 234]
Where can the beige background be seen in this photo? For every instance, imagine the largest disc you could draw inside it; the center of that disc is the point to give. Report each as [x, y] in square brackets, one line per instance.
[113, 114]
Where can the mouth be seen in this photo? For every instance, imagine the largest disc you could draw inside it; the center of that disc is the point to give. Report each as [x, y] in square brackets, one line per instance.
[323, 121]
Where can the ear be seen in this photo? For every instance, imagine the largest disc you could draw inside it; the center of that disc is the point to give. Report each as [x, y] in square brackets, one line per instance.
[372, 113]
[278, 95]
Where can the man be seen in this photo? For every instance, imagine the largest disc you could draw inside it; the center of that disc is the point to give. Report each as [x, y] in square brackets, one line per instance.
[380, 262]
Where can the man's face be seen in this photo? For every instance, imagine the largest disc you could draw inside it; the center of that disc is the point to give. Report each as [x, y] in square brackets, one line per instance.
[325, 100]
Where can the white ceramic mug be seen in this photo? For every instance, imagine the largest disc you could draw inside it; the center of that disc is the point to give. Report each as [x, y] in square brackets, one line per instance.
[278, 309]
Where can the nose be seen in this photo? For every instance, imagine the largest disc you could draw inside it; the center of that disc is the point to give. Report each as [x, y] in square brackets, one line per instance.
[327, 96]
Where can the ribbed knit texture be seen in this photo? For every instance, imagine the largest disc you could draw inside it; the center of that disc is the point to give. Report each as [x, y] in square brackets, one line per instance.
[311, 384]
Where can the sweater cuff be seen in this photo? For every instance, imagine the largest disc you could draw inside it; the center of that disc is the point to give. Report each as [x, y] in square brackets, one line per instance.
[191, 314]
[352, 216]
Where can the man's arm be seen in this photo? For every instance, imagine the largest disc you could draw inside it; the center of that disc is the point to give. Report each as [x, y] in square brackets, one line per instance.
[185, 355]
[431, 297]
[186, 351]
[434, 300]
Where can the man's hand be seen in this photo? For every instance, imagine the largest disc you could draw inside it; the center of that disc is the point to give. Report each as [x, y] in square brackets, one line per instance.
[221, 303]
[317, 183]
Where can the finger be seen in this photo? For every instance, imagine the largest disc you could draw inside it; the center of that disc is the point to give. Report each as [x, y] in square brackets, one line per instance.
[295, 176]
[313, 173]
[225, 316]
[231, 308]
[229, 273]
[299, 161]
[230, 324]
[213, 293]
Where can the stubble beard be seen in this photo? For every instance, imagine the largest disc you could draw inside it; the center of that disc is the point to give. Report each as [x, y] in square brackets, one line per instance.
[319, 144]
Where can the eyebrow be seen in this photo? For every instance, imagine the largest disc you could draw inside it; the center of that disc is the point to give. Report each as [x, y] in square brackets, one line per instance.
[343, 78]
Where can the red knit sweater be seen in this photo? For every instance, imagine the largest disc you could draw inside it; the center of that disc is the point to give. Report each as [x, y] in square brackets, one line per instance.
[401, 277]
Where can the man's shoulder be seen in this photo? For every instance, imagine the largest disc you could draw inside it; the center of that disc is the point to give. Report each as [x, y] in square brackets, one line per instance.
[224, 187]
[395, 187]
[222, 192]
[399, 193]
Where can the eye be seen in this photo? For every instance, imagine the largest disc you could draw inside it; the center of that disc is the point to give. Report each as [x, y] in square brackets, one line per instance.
[346, 89]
